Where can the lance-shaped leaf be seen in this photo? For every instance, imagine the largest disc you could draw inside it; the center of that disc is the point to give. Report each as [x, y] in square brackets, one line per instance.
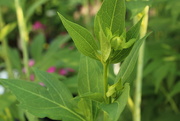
[83, 40]
[129, 63]
[112, 16]
[89, 81]
[51, 100]
[115, 109]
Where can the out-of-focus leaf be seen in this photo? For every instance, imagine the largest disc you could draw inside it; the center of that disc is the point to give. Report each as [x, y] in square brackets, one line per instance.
[8, 3]
[33, 7]
[6, 100]
[58, 43]
[175, 90]
[160, 74]
[6, 30]
[15, 58]
[37, 46]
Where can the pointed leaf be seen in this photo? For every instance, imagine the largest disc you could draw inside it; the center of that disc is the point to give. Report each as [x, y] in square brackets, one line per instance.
[112, 16]
[51, 100]
[83, 40]
[36, 47]
[115, 109]
[129, 63]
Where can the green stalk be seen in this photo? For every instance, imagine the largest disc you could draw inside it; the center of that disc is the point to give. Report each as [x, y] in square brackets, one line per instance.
[105, 79]
[138, 82]
[5, 50]
[23, 35]
[8, 113]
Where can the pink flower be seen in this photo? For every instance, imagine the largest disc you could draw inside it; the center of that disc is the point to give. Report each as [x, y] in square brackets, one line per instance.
[70, 70]
[38, 25]
[52, 69]
[23, 70]
[32, 77]
[31, 62]
[42, 84]
[71, 47]
[63, 72]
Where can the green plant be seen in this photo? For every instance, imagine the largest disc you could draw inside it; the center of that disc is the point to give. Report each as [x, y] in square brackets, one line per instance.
[97, 99]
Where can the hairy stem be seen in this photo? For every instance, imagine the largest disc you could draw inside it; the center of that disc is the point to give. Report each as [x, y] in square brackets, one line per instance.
[23, 35]
[138, 82]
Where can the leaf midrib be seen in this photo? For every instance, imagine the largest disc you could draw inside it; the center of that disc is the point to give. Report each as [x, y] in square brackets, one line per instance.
[113, 15]
[54, 89]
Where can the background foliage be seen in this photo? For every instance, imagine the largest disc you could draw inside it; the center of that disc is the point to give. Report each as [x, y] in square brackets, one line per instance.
[50, 46]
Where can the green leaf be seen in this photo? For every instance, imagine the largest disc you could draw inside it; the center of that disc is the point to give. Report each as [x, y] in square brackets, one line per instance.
[6, 30]
[33, 7]
[129, 63]
[104, 44]
[89, 81]
[115, 109]
[175, 90]
[15, 58]
[83, 40]
[112, 16]
[7, 3]
[160, 74]
[134, 31]
[37, 46]
[89, 77]
[58, 42]
[51, 100]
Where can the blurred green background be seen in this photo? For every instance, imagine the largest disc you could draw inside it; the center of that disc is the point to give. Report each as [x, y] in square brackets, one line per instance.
[51, 49]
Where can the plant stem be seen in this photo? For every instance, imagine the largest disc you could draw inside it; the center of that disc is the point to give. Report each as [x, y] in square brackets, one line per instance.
[23, 35]
[7, 111]
[138, 82]
[105, 79]
[5, 50]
